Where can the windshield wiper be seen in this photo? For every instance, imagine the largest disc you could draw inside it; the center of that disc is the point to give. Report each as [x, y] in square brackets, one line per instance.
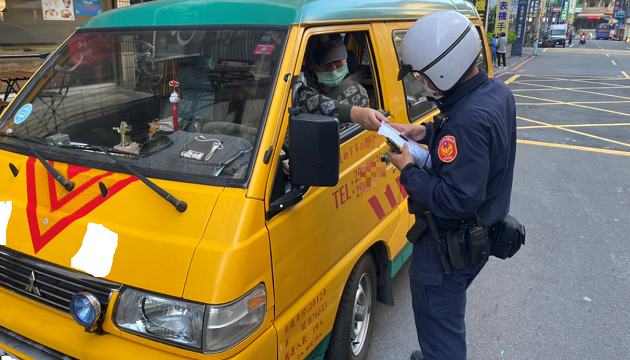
[179, 205]
[68, 185]
[88, 147]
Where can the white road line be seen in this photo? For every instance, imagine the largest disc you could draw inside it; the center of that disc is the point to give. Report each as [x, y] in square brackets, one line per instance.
[574, 44]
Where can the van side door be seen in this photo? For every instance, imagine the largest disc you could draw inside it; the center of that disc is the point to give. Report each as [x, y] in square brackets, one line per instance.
[316, 242]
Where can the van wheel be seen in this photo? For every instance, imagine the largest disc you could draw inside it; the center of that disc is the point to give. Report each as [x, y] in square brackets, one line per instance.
[352, 331]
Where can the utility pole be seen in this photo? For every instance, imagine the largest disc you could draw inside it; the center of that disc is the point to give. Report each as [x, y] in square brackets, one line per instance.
[536, 34]
[541, 6]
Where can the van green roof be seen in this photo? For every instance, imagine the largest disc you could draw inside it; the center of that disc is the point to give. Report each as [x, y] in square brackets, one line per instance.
[268, 12]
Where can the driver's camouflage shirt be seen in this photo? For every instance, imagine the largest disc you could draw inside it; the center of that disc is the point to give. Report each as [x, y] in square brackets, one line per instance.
[313, 100]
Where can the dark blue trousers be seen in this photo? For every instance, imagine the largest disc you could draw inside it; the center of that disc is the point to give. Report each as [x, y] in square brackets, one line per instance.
[439, 303]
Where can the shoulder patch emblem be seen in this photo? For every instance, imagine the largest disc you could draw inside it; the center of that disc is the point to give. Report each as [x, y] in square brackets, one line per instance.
[447, 150]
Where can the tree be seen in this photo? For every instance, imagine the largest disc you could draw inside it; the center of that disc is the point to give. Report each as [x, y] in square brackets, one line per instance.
[492, 18]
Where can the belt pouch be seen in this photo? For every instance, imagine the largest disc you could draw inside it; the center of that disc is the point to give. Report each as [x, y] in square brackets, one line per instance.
[508, 237]
[416, 231]
[478, 246]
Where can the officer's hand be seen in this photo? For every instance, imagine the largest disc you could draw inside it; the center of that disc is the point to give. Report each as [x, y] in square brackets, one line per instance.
[369, 119]
[401, 160]
[411, 132]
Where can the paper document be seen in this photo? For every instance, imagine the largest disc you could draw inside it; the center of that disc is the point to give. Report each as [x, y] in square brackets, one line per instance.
[420, 154]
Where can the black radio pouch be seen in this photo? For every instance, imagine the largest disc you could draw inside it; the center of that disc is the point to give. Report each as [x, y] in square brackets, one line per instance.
[478, 245]
[508, 237]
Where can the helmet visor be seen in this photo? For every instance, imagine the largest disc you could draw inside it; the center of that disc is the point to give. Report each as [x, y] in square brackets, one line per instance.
[404, 70]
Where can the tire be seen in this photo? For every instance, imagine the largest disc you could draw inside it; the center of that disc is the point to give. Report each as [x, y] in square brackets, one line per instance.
[352, 331]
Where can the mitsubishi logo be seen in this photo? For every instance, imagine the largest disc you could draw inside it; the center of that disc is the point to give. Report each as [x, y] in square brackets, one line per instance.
[31, 287]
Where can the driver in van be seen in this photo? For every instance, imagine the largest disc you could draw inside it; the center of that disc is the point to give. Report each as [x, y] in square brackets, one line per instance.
[326, 69]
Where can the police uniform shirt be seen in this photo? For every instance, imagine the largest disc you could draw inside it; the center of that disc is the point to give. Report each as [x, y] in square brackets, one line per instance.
[473, 155]
[313, 100]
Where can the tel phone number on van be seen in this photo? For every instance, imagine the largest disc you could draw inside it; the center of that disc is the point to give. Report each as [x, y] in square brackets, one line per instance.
[354, 189]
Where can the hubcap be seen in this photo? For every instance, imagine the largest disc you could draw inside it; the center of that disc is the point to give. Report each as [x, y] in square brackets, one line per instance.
[361, 313]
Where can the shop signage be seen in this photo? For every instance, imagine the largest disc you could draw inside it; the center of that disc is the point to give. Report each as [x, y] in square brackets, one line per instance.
[521, 20]
[481, 6]
[503, 17]
[556, 8]
[620, 14]
[565, 11]
[88, 7]
[61, 10]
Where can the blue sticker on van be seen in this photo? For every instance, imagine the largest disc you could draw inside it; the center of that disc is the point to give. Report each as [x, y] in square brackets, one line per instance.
[23, 113]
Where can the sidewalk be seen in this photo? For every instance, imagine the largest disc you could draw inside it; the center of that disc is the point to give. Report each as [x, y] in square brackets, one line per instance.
[514, 61]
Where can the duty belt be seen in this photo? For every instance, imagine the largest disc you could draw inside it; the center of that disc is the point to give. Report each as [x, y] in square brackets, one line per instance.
[468, 244]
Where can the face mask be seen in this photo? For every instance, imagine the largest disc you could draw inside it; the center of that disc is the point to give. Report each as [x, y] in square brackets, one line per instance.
[333, 78]
[434, 93]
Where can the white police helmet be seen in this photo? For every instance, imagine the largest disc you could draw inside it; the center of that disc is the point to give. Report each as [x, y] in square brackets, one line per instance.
[441, 46]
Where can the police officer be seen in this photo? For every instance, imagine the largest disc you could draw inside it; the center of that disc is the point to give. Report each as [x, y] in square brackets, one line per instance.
[472, 146]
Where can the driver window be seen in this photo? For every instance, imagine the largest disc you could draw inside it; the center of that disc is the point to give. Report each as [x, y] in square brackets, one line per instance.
[338, 70]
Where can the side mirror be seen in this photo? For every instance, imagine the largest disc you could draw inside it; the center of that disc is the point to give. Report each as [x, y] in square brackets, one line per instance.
[313, 150]
[313, 156]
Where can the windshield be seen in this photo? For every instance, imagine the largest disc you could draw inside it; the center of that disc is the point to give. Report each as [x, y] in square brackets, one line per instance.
[558, 32]
[167, 102]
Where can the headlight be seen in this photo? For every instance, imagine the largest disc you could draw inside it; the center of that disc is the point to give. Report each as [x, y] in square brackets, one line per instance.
[183, 323]
[227, 325]
[163, 319]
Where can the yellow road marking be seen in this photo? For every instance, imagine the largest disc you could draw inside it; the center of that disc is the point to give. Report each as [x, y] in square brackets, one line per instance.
[626, 75]
[568, 76]
[578, 88]
[614, 63]
[511, 79]
[546, 49]
[607, 55]
[570, 126]
[575, 102]
[569, 89]
[573, 147]
[587, 81]
[574, 131]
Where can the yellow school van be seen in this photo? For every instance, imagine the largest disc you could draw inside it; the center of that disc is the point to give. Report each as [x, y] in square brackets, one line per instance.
[147, 210]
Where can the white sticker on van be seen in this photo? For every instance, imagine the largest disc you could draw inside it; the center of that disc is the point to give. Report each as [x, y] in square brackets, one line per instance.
[23, 114]
[96, 254]
[5, 215]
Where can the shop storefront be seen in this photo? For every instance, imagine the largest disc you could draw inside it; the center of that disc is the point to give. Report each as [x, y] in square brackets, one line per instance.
[31, 27]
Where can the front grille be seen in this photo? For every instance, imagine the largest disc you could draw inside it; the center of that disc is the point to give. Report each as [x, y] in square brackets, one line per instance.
[47, 283]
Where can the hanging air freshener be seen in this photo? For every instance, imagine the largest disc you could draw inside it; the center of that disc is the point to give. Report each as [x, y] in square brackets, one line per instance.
[174, 98]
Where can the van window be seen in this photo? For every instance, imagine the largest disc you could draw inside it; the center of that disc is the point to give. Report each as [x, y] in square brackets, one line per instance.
[417, 104]
[362, 91]
[116, 90]
[482, 62]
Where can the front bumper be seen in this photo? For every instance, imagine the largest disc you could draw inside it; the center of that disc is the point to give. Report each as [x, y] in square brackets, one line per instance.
[30, 331]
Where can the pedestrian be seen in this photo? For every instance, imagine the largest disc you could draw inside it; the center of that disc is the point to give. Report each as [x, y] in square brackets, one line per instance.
[502, 49]
[472, 144]
[493, 49]
[570, 37]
